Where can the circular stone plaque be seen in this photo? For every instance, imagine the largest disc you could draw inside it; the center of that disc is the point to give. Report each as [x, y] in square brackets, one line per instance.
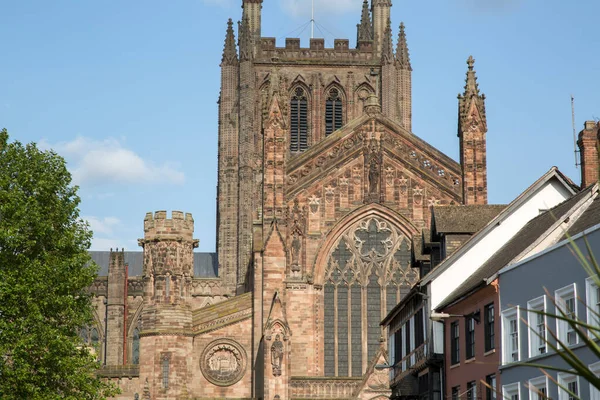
[223, 362]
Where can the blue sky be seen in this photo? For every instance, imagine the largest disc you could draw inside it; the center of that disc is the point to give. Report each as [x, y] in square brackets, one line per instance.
[126, 91]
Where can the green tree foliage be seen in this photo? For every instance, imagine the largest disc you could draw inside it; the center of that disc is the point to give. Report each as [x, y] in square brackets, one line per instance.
[44, 275]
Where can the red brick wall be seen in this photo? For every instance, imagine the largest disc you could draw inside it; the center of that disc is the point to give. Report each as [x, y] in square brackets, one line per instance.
[483, 364]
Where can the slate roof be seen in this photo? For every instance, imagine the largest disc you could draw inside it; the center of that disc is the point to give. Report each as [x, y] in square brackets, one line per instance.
[553, 173]
[464, 219]
[418, 243]
[222, 309]
[205, 264]
[589, 218]
[528, 235]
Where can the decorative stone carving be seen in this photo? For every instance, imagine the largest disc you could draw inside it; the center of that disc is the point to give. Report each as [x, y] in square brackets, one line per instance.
[277, 355]
[223, 362]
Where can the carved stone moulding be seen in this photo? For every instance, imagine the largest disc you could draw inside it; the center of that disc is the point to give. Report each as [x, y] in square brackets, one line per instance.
[223, 362]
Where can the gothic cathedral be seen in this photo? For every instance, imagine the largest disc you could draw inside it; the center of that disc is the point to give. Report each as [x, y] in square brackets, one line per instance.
[323, 192]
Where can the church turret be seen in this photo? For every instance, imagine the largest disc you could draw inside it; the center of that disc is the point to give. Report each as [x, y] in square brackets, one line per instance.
[166, 335]
[252, 13]
[247, 154]
[227, 196]
[388, 74]
[472, 128]
[380, 10]
[403, 82]
[364, 30]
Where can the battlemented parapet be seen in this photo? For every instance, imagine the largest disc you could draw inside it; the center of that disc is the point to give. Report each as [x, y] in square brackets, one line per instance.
[339, 53]
[158, 227]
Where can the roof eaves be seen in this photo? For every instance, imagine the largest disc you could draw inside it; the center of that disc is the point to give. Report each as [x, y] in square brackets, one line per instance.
[541, 253]
[457, 295]
[497, 220]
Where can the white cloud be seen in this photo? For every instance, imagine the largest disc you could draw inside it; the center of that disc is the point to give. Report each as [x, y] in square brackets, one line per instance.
[300, 8]
[102, 244]
[107, 161]
[102, 225]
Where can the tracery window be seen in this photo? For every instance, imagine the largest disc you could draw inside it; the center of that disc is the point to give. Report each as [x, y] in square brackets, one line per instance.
[298, 120]
[367, 272]
[333, 111]
[91, 338]
[135, 347]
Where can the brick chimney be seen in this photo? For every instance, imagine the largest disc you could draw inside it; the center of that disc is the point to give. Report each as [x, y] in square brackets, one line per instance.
[588, 153]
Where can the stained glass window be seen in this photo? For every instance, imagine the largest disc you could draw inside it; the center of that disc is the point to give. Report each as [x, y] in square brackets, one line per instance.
[367, 271]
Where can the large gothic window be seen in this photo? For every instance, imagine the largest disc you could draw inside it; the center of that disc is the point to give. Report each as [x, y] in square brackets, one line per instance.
[298, 120]
[367, 273]
[333, 111]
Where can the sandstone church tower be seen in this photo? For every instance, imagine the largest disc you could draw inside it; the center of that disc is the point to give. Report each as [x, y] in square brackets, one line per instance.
[323, 192]
[322, 186]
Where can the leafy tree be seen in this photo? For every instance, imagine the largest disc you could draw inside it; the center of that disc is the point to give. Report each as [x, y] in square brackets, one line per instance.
[45, 271]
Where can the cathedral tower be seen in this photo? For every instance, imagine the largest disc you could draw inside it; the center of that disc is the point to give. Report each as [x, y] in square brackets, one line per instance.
[472, 128]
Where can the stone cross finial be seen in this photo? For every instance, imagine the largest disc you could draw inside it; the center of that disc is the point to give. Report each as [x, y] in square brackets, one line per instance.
[470, 63]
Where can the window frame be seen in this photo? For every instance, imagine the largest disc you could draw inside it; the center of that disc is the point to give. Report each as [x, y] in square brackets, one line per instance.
[563, 329]
[165, 368]
[535, 384]
[510, 390]
[539, 304]
[471, 391]
[337, 101]
[488, 327]
[491, 392]
[455, 342]
[455, 392]
[592, 299]
[508, 315]
[296, 136]
[594, 392]
[469, 337]
[564, 379]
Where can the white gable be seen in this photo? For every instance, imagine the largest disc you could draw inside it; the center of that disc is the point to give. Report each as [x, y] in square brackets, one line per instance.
[483, 245]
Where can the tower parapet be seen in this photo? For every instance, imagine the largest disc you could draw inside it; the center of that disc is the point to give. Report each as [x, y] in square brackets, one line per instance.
[340, 53]
[158, 227]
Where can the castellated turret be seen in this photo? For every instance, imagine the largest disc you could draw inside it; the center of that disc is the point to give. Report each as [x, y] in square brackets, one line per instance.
[167, 315]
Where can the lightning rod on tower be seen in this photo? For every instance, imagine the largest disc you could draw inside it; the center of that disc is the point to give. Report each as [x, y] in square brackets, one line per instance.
[574, 134]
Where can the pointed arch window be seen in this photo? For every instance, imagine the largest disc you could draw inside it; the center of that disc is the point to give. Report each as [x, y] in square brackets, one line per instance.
[333, 111]
[367, 273]
[298, 120]
[135, 347]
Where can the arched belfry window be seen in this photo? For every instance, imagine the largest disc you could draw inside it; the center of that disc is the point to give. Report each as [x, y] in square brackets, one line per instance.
[333, 111]
[367, 273]
[298, 120]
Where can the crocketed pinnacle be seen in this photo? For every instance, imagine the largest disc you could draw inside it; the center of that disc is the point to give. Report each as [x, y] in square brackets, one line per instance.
[402, 50]
[471, 94]
[245, 40]
[229, 50]
[387, 51]
[365, 29]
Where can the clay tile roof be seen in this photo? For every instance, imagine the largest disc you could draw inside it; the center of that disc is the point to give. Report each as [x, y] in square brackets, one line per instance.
[464, 219]
[528, 235]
